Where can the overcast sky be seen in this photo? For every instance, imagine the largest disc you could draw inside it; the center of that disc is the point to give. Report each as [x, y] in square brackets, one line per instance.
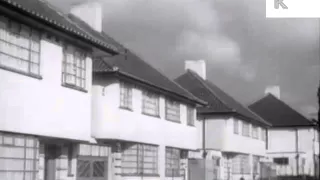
[244, 51]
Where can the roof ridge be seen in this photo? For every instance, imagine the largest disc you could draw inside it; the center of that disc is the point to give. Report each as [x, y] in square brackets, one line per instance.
[208, 88]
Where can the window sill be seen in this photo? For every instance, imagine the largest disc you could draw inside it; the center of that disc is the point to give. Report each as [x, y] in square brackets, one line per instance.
[21, 72]
[126, 108]
[178, 122]
[191, 125]
[156, 116]
[74, 87]
[139, 175]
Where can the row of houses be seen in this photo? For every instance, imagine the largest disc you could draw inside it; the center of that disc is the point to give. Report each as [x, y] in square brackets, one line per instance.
[77, 105]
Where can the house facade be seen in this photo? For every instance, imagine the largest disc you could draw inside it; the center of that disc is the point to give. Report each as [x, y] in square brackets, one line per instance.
[230, 132]
[293, 140]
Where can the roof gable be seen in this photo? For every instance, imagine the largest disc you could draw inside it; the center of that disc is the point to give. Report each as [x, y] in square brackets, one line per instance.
[44, 13]
[218, 100]
[278, 113]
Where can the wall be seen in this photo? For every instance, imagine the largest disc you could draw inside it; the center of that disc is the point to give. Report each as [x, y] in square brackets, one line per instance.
[44, 107]
[109, 120]
[282, 143]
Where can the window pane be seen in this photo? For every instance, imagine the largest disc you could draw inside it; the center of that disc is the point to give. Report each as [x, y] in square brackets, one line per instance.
[150, 103]
[125, 96]
[172, 110]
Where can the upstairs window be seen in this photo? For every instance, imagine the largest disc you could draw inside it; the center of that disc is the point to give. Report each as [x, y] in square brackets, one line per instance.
[125, 96]
[281, 161]
[150, 103]
[236, 126]
[172, 162]
[255, 132]
[19, 47]
[245, 129]
[74, 68]
[190, 116]
[172, 110]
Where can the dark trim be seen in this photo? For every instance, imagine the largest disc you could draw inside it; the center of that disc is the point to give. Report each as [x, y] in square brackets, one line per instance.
[74, 87]
[125, 108]
[21, 72]
[294, 126]
[138, 175]
[178, 122]
[29, 18]
[152, 115]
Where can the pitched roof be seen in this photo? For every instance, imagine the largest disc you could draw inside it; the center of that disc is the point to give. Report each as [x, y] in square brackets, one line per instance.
[219, 102]
[278, 113]
[43, 12]
[129, 64]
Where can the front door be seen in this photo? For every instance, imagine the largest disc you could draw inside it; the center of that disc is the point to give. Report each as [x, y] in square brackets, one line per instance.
[51, 153]
[92, 168]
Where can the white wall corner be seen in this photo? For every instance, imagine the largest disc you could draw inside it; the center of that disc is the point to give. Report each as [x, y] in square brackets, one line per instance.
[197, 66]
[90, 12]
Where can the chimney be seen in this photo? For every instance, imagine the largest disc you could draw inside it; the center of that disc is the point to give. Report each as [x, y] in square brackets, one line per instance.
[90, 12]
[197, 66]
[274, 90]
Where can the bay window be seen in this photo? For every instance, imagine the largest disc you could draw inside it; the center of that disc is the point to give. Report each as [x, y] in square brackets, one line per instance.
[255, 133]
[245, 129]
[236, 126]
[125, 96]
[18, 157]
[190, 116]
[19, 47]
[139, 159]
[172, 162]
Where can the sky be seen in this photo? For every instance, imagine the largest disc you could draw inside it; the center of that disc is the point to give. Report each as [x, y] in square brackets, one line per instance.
[244, 51]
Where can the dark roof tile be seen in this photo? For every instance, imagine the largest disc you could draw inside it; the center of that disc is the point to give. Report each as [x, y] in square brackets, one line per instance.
[278, 113]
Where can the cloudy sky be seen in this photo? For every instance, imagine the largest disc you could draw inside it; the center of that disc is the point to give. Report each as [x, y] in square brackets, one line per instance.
[244, 51]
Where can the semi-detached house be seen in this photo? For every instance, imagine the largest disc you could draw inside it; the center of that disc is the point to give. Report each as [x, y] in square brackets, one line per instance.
[231, 134]
[58, 120]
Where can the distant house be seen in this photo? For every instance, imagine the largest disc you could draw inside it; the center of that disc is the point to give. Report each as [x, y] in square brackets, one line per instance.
[230, 132]
[293, 140]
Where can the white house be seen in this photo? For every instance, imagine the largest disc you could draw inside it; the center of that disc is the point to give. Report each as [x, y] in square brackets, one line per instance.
[45, 93]
[293, 140]
[230, 132]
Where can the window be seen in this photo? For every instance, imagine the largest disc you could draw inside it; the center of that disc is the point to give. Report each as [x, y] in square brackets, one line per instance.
[255, 163]
[19, 47]
[236, 126]
[18, 157]
[172, 110]
[125, 96]
[240, 164]
[150, 103]
[190, 116]
[263, 134]
[254, 131]
[74, 68]
[245, 129]
[172, 162]
[92, 161]
[139, 159]
[281, 161]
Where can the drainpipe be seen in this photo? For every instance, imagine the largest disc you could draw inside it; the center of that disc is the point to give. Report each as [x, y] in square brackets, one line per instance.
[297, 150]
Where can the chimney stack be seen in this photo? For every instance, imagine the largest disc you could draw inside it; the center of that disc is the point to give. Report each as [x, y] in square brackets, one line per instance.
[90, 12]
[274, 90]
[197, 66]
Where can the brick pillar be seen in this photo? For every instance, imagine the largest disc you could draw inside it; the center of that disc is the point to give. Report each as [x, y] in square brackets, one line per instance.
[116, 161]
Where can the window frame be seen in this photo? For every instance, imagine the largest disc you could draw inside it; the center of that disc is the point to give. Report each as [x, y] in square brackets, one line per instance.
[191, 116]
[33, 37]
[126, 98]
[139, 152]
[238, 166]
[24, 147]
[146, 96]
[169, 160]
[245, 133]
[255, 132]
[171, 105]
[283, 161]
[82, 58]
[263, 134]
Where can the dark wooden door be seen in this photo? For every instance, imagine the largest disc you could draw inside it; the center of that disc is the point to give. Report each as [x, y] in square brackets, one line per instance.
[92, 168]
